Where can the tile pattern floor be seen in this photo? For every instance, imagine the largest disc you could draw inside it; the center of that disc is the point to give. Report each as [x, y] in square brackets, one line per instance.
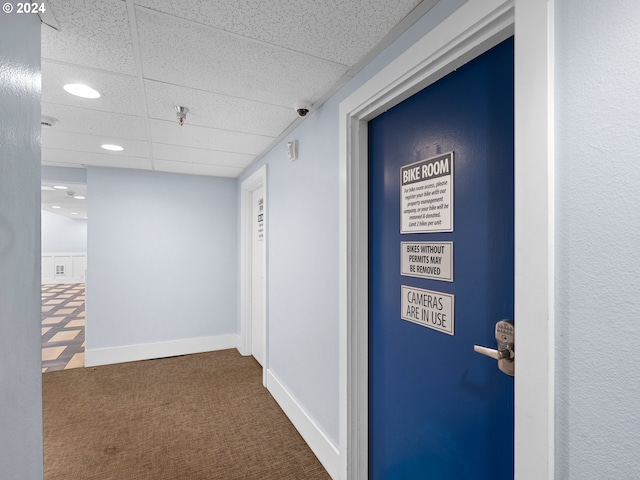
[63, 321]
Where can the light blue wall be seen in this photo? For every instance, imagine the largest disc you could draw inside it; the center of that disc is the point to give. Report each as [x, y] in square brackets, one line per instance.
[62, 234]
[598, 239]
[303, 246]
[162, 257]
[63, 174]
[20, 362]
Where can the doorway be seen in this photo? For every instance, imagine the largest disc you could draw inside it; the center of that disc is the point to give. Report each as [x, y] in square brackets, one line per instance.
[473, 29]
[253, 266]
[441, 276]
[64, 266]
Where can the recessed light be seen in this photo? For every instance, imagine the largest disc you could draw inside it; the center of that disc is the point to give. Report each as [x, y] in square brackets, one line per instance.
[79, 197]
[113, 148]
[80, 90]
[74, 213]
[60, 187]
[56, 206]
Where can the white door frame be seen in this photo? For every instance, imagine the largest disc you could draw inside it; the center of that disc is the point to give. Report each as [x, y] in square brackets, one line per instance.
[474, 28]
[249, 185]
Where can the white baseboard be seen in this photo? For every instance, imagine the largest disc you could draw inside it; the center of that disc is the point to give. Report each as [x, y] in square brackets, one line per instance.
[148, 351]
[320, 444]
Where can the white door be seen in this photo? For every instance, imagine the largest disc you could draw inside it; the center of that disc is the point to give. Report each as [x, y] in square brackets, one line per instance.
[257, 274]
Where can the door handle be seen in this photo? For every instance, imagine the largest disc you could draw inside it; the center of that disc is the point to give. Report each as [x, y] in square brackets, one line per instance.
[506, 353]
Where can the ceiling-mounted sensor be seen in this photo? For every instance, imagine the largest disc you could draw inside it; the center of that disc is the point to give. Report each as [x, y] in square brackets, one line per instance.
[302, 107]
[47, 121]
[181, 114]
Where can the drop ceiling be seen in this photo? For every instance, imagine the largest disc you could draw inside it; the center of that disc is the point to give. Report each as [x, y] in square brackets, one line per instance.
[238, 66]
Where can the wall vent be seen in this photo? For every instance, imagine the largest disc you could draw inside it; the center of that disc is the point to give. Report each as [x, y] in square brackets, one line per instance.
[59, 270]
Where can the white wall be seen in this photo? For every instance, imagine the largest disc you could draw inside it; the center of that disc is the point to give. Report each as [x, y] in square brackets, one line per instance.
[62, 234]
[303, 248]
[163, 264]
[20, 363]
[598, 239]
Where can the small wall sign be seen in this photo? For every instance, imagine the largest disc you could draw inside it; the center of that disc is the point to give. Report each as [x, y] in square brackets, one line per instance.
[428, 308]
[426, 195]
[432, 260]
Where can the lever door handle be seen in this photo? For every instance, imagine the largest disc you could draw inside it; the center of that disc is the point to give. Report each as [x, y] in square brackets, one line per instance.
[493, 353]
[489, 352]
[505, 354]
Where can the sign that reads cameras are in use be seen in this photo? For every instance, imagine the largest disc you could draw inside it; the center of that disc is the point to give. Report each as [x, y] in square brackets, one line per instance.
[432, 260]
[428, 308]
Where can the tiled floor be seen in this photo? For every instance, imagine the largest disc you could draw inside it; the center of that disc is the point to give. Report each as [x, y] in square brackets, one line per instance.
[62, 327]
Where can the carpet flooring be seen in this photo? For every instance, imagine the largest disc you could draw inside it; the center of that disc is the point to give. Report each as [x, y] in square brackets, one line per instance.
[203, 416]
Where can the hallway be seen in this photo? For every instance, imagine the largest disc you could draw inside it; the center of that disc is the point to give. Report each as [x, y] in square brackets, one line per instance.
[63, 322]
[202, 416]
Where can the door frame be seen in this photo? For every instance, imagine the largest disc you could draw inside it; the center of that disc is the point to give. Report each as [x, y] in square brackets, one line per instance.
[247, 187]
[473, 29]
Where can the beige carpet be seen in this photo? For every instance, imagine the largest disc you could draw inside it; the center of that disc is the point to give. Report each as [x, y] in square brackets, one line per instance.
[204, 416]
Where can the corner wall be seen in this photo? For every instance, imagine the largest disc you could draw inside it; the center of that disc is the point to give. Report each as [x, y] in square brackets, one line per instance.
[20, 361]
[162, 265]
[597, 239]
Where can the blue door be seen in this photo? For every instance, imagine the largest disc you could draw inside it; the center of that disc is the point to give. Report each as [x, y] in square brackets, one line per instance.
[441, 172]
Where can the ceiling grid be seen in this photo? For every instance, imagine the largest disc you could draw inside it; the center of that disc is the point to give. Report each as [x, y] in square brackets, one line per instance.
[238, 65]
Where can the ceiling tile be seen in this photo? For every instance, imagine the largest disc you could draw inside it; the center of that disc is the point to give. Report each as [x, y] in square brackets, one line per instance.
[91, 143]
[94, 122]
[185, 53]
[237, 65]
[196, 169]
[198, 155]
[210, 138]
[120, 93]
[55, 157]
[217, 111]
[94, 33]
[337, 30]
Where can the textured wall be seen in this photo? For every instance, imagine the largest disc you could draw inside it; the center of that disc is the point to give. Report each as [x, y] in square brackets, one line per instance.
[20, 364]
[598, 239]
[162, 257]
[303, 245]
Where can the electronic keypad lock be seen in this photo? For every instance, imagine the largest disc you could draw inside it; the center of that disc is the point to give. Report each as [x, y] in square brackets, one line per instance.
[506, 353]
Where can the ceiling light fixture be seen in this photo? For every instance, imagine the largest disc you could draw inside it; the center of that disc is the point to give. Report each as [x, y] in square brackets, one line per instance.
[56, 206]
[60, 187]
[112, 148]
[181, 114]
[79, 197]
[80, 90]
[74, 213]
